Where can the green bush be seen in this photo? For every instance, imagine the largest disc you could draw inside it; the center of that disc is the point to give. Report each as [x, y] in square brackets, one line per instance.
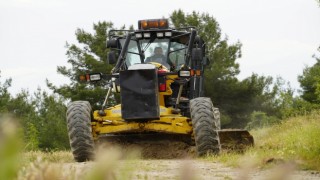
[260, 119]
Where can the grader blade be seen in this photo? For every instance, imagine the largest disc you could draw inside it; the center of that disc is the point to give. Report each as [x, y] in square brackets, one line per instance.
[235, 139]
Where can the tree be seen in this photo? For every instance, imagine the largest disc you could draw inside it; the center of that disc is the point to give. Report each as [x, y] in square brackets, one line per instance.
[4, 94]
[89, 56]
[21, 109]
[41, 117]
[222, 55]
[310, 82]
[51, 123]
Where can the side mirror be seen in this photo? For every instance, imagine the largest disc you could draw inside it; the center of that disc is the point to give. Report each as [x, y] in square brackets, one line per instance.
[112, 57]
[197, 55]
[112, 43]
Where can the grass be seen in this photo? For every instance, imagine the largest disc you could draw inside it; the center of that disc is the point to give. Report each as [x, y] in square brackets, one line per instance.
[57, 165]
[52, 156]
[295, 140]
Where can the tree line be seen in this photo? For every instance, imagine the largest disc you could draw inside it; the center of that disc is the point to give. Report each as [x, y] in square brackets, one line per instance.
[41, 117]
[255, 101]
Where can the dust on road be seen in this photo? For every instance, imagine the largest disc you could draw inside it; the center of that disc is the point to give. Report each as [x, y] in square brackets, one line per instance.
[193, 169]
[175, 160]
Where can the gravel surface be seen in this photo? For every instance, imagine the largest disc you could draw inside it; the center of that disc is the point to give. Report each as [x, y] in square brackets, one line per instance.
[192, 169]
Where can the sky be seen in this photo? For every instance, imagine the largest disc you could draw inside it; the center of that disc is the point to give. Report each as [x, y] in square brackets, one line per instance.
[279, 37]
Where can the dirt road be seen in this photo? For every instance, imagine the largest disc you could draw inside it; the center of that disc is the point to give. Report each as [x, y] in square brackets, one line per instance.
[153, 162]
[184, 169]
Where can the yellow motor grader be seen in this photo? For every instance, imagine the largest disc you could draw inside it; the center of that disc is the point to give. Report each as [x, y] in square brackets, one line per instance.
[159, 73]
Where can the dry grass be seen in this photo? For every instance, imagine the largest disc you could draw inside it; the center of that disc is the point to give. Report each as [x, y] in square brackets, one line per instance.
[57, 165]
[53, 156]
[294, 141]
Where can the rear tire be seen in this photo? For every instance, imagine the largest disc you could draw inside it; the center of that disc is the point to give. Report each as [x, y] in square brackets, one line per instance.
[205, 123]
[80, 131]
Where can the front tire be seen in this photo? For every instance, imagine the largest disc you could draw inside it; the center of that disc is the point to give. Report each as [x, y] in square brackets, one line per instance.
[80, 131]
[205, 123]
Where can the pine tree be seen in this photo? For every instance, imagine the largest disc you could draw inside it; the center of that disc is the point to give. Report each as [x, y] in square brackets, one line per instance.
[89, 56]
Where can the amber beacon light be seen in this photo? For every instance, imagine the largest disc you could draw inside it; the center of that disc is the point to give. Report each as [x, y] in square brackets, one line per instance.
[153, 24]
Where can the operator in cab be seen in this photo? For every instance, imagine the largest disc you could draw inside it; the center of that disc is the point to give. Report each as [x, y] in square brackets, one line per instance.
[158, 57]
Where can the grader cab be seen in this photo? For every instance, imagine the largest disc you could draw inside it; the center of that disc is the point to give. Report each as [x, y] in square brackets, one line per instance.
[159, 73]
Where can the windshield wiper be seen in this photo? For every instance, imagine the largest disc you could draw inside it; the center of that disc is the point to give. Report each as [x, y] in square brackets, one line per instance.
[148, 44]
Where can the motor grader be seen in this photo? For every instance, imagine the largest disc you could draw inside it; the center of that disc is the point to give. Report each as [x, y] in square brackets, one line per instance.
[160, 96]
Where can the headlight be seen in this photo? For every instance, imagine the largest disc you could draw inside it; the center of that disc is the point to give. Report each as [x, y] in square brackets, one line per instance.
[159, 34]
[95, 77]
[146, 35]
[168, 34]
[184, 74]
[138, 35]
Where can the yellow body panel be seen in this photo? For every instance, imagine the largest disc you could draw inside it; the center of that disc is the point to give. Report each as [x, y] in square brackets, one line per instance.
[168, 92]
[113, 123]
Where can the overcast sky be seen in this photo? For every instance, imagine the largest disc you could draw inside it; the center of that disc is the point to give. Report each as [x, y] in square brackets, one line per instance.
[279, 37]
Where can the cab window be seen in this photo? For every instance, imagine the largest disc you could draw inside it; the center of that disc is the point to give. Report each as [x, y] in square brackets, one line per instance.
[132, 53]
[177, 54]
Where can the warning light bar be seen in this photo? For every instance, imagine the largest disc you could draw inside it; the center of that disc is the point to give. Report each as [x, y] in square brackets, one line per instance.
[153, 24]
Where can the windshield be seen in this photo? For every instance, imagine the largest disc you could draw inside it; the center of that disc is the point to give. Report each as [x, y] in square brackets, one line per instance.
[150, 48]
[177, 55]
[156, 51]
[132, 54]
